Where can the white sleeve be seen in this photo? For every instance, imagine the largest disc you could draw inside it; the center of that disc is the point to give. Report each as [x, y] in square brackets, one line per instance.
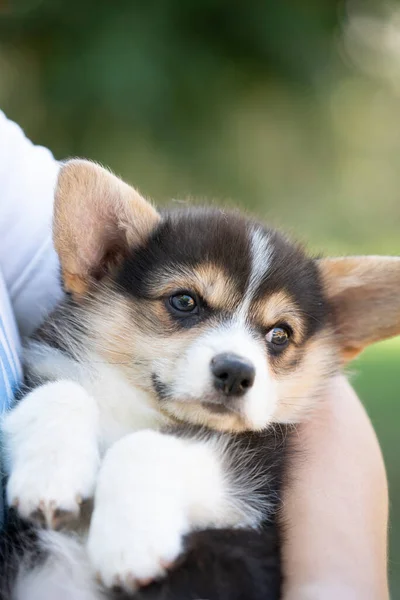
[28, 260]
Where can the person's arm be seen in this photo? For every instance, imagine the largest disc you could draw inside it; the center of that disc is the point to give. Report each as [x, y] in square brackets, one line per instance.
[336, 506]
[28, 261]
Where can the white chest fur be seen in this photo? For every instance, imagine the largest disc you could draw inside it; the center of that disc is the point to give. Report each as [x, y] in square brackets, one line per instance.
[123, 408]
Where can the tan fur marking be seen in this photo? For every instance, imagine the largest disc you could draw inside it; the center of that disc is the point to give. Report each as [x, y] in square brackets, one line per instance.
[277, 308]
[208, 280]
[219, 289]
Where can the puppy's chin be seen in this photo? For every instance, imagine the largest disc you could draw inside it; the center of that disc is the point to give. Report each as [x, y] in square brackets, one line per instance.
[210, 414]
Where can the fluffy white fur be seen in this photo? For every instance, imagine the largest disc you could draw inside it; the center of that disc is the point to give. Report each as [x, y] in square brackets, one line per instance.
[53, 454]
[152, 488]
[66, 574]
[122, 407]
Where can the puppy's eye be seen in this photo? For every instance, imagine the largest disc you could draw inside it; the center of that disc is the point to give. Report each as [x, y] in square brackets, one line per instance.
[278, 336]
[183, 303]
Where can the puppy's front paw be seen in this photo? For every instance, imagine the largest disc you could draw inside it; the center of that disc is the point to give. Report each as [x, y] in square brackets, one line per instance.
[50, 442]
[48, 488]
[129, 547]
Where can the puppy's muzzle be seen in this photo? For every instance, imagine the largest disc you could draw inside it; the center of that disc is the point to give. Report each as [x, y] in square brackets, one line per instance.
[232, 375]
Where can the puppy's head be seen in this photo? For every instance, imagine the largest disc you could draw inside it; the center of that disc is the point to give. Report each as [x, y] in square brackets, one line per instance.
[224, 322]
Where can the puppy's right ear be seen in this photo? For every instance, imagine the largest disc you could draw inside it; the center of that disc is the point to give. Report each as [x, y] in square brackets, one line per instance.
[364, 294]
[97, 218]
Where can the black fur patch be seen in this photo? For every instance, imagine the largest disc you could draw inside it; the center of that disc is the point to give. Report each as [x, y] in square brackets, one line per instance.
[224, 564]
[189, 237]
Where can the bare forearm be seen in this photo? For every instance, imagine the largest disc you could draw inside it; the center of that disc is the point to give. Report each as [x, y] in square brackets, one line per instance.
[336, 506]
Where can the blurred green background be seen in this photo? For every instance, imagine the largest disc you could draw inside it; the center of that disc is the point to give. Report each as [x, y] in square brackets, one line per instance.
[290, 109]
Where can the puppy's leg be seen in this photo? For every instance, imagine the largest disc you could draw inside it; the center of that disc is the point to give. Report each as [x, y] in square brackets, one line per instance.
[153, 489]
[50, 443]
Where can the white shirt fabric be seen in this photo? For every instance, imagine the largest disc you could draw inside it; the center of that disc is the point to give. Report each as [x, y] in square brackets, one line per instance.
[28, 261]
[29, 283]
[10, 367]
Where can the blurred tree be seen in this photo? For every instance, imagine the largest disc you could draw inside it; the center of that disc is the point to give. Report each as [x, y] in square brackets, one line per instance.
[166, 66]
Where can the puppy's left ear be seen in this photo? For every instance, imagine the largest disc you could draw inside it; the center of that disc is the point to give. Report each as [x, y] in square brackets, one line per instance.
[364, 293]
[97, 219]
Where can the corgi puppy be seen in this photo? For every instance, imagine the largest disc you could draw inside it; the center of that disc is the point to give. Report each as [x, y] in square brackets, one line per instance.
[146, 454]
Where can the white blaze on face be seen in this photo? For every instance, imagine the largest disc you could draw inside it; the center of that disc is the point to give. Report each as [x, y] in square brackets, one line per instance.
[192, 377]
[260, 253]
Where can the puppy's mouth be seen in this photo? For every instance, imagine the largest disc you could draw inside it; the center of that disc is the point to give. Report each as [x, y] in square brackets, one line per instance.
[216, 408]
[212, 404]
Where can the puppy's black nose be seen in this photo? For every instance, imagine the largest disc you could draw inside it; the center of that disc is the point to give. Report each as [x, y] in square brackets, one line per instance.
[232, 374]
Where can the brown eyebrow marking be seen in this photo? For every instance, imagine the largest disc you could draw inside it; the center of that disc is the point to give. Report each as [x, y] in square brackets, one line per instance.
[280, 307]
[208, 280]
